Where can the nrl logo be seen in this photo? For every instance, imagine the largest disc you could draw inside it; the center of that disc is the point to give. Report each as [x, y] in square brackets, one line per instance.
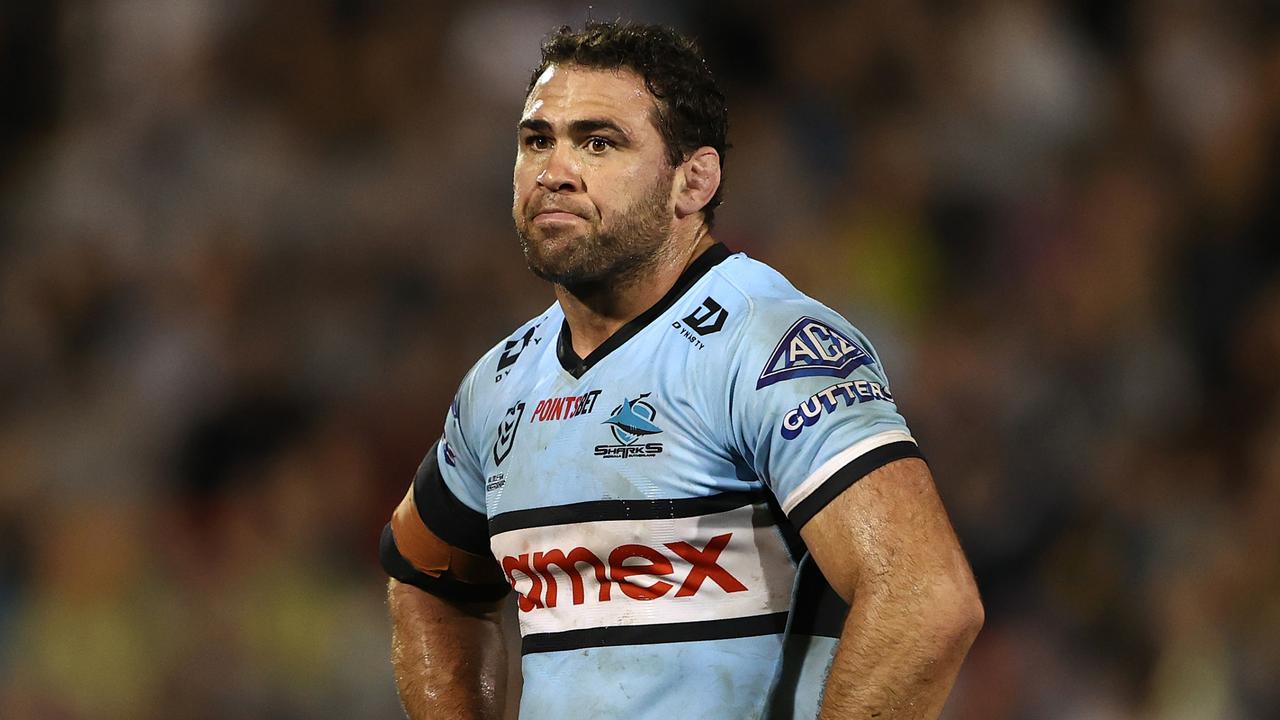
[811, 347]
[507, 433]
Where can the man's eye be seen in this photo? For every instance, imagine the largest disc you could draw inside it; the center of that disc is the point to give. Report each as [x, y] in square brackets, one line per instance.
[598, 144]
[537, 142]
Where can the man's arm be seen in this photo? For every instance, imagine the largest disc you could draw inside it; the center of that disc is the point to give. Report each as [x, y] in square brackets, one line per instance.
[886, 546]
[449, 658]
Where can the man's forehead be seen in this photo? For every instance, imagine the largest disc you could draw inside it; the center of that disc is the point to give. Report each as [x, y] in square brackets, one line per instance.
[574, 88]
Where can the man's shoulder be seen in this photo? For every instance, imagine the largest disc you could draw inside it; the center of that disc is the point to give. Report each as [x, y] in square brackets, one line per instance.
[499, 361]
[781, 332]
[765, 298]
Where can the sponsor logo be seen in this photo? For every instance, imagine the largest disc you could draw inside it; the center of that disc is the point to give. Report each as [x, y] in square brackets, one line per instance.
[707, 319]
[495, 481]
[450, 458]
[731, 564]
[631, 421]
[511, 352]
[826, 401]
[684, 332]
[507, 433]
[811, 347]
[624, 566]
[563, 408]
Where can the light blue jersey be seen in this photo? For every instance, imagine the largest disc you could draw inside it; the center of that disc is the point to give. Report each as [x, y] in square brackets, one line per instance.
[645, 502]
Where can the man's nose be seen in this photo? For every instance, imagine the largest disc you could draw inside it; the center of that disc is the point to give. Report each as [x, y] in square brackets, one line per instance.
[561, 173]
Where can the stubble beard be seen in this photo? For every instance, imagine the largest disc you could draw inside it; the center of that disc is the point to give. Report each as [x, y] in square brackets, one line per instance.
[613, 256]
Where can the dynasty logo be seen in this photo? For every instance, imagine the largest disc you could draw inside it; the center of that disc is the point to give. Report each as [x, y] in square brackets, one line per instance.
[706, 320]
[511, 351]
[631, 421]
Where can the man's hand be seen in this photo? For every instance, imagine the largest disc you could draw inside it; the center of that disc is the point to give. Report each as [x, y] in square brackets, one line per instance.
[886, 546]
[449, 658]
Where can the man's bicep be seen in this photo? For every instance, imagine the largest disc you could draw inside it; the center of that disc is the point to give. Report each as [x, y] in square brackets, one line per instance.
[415, 556]
[888, 528]
[436, 542]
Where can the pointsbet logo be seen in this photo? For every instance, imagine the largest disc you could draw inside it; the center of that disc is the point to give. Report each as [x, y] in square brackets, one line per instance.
[640, 572]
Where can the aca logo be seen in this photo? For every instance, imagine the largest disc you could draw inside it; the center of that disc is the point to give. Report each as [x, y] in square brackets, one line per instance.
[631, 421]
[812, 347]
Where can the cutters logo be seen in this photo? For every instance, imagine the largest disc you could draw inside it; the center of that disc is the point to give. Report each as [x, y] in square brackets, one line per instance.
[631, 420]
[512, 349]
[811, 347]
[537, 588]
[507, 433]
[826, 401]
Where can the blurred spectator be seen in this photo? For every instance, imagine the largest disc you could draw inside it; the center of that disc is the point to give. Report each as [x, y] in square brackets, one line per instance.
[247, 250]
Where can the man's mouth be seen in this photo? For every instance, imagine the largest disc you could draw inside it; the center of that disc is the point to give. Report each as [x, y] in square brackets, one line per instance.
[551, 215]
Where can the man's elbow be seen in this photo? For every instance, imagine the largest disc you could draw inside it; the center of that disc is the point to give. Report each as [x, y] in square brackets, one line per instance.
[973, 615]
[957, 615]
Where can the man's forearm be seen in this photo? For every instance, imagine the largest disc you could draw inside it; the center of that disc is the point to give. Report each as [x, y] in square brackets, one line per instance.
[449, 658]
[899, 655]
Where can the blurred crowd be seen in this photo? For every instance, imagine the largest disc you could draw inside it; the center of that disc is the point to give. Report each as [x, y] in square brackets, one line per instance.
[248, 249]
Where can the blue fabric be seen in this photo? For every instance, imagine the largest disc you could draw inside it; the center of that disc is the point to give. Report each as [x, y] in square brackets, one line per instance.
[634, 503]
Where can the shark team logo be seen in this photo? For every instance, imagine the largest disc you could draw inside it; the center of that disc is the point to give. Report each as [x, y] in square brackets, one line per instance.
[631, 421]
[811, 347]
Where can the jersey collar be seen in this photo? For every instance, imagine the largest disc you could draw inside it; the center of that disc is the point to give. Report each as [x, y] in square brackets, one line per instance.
[577, 367]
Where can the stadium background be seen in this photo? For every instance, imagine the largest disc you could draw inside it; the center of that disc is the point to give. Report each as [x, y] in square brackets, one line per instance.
[247, 249]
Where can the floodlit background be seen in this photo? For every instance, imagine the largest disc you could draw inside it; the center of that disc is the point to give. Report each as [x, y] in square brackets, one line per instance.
[248, 249]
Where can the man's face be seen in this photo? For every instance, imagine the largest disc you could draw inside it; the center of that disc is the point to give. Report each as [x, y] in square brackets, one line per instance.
[592, 182]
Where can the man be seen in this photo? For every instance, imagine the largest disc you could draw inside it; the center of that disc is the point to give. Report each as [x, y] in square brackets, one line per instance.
[685, 468]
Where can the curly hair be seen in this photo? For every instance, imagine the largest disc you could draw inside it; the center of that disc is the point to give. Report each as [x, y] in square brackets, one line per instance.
[690, 108]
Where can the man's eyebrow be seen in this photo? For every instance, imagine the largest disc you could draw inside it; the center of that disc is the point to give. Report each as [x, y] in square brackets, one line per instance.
[591, 125]
[534, 124]
[577, 127]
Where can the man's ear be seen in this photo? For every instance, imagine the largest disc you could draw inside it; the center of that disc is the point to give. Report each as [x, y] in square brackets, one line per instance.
[697, 180]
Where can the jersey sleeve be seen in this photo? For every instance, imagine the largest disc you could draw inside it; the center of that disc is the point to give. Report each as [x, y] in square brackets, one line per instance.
[438, 537]
[810, 406]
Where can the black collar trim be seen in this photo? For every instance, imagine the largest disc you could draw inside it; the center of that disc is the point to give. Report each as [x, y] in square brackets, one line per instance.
[577, 367]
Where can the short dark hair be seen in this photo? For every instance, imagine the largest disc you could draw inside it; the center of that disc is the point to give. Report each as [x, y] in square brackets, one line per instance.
[691, 111]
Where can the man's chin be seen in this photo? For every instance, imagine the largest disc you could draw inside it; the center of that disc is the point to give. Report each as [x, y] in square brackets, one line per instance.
[561, 273]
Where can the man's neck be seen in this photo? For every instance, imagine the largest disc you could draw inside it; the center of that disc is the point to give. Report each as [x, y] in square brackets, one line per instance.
[597, 312]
